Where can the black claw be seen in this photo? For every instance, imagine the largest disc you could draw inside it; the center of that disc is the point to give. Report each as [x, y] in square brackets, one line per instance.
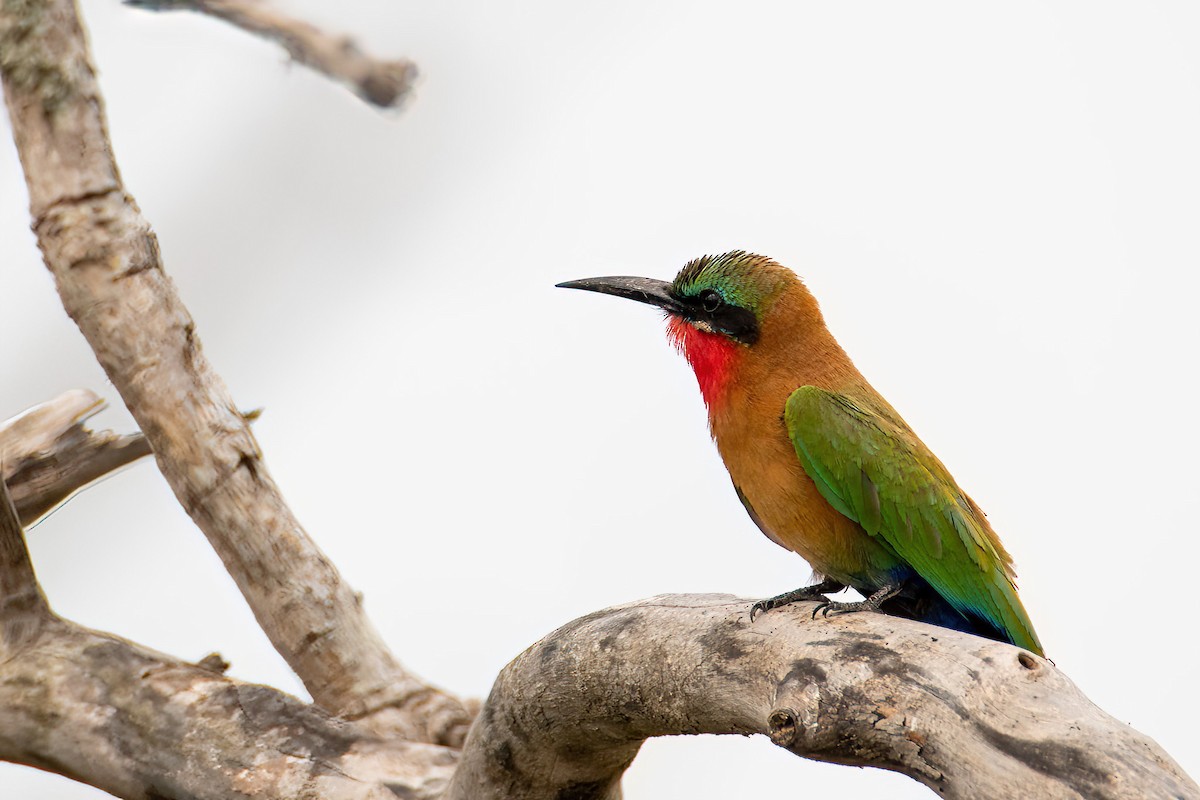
[758, 608]
[872, 603]
[806, 593]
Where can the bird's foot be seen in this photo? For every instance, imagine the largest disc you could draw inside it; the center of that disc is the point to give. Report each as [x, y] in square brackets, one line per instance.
[872, 603]
[814, 592]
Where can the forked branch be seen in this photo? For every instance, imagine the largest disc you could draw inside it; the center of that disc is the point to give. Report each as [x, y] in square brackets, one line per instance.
[109, 273]
[137, 723]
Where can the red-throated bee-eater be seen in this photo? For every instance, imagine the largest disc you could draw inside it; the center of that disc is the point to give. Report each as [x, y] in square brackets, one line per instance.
[823, 464]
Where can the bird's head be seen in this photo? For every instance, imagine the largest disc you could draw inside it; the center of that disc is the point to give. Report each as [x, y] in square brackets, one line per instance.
[718, 309]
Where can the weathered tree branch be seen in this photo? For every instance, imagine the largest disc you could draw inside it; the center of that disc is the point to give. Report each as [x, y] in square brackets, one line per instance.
[969, 717]
[46, 453]
[381, 83]
[107, 266]
[139, 724]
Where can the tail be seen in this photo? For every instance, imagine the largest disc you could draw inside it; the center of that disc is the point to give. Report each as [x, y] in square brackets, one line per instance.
[922, 603]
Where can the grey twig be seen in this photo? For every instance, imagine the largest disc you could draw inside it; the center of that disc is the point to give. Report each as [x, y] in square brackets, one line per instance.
[384, 83]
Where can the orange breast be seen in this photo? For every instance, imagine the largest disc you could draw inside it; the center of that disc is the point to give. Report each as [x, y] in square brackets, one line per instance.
[752, 438]
[789, 508]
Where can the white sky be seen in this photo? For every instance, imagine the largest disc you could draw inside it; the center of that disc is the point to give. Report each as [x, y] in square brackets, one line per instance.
[996, 204]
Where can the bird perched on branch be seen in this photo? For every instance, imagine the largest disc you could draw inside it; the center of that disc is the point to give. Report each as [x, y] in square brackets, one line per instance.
[823, 464]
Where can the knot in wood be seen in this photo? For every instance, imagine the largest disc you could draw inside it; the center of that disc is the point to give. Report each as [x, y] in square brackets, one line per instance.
[781, 726]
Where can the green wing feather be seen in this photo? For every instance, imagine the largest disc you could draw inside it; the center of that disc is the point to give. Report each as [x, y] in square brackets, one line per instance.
[871, 467]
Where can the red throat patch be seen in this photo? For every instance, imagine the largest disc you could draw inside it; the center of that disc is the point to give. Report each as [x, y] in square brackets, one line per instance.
[711, 355]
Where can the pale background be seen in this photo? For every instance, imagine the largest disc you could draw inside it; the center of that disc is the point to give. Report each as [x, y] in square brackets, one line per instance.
[997, 206]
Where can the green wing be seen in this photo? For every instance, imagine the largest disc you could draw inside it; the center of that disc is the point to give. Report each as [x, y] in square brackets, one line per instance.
[871, 467]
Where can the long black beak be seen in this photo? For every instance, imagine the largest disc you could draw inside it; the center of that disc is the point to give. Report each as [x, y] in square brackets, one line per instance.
[644, 290]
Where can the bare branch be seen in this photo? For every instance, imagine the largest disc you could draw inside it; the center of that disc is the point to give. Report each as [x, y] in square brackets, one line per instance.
[139, 724]
[381, 83]
[108, 269]
[967, 716]
[48, 455]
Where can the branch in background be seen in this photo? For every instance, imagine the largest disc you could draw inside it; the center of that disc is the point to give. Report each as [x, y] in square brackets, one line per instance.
[381, 83]
[109, 274]
[968, 717]
[47, 455]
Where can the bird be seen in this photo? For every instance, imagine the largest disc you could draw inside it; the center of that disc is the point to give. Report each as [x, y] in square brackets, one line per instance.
[823, 464]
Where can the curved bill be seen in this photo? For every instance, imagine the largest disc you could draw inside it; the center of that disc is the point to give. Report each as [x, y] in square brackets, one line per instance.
[643, 290]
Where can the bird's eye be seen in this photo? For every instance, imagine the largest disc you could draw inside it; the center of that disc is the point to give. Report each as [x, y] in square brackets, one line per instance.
[711, 300]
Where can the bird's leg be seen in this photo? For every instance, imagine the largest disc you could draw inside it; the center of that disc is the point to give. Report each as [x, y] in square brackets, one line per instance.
[813, 592]
[872, 603]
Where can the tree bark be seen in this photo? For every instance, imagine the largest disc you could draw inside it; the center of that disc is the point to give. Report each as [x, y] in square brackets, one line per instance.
[139, 724]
